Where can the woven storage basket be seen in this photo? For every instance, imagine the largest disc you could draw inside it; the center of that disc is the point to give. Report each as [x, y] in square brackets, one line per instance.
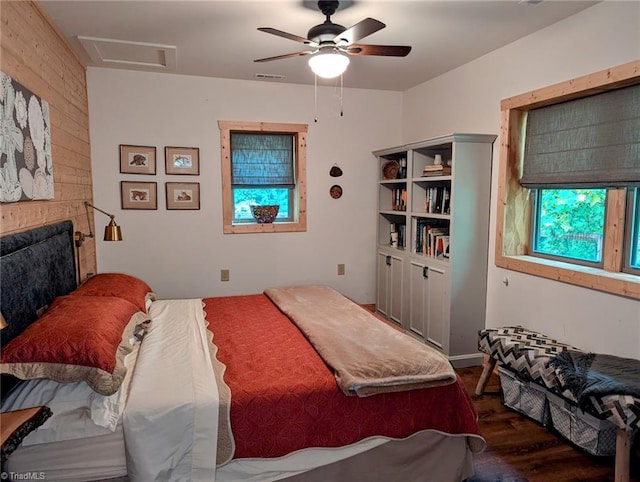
[525, 397]
[596, 436]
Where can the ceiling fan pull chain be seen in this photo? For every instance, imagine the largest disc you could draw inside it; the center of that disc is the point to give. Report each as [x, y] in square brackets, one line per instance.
[315, 98]
[341, 96]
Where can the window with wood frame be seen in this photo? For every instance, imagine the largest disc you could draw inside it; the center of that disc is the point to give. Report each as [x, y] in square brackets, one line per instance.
[578, 231]
[263, 163]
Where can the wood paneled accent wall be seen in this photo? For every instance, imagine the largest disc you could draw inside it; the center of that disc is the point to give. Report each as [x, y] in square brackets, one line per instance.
[36, 54]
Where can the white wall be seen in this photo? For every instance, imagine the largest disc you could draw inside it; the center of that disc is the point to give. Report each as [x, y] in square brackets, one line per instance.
[468, 100]
[181, 253]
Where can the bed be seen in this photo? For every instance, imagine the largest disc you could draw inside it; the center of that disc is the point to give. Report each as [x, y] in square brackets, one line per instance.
[280, 385]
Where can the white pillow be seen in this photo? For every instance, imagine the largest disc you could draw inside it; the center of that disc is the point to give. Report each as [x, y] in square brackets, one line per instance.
[77, 410]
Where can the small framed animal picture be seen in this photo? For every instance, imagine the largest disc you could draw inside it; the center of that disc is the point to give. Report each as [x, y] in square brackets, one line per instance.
[182, 160]
[137, 159]
[138, 195]
[183, 195]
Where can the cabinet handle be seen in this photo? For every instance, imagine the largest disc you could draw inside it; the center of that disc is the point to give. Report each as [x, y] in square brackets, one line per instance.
[425, 271]
[388, 260]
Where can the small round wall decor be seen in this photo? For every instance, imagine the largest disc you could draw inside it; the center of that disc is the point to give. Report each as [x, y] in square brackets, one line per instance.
[335, 171]
[335, 191]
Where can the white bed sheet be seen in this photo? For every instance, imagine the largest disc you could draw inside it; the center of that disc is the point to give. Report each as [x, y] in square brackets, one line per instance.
[171, 418]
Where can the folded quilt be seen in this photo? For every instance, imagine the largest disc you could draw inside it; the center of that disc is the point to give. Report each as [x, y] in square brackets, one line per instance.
[596, 375]
[367, 355]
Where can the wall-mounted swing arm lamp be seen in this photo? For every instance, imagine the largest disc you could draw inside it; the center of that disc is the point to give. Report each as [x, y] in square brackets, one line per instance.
[112, 231]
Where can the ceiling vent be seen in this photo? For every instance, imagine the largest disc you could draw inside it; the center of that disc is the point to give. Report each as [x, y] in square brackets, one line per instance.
[270, 76]
[106, 52]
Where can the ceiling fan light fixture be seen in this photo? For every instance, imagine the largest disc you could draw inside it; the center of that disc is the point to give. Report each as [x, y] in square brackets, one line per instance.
[329, 64]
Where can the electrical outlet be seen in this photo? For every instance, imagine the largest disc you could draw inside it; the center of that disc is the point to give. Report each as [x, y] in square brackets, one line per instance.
[340, 269]
[224, 275]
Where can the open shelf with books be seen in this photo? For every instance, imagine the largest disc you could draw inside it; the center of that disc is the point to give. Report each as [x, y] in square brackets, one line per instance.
[392, 196]
[433, 235]
[431, 197]
[392, 232]
[432, 161]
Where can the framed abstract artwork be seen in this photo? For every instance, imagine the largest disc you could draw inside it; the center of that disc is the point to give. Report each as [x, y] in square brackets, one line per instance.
[25, 144]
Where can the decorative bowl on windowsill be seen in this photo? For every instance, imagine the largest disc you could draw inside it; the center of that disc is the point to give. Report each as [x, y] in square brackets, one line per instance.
[265, 214]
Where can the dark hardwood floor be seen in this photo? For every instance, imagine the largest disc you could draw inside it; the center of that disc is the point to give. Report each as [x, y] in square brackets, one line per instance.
[519, 450]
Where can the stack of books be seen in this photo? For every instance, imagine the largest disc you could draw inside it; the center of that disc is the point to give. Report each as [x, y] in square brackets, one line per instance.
[436, 170]
[432, 239]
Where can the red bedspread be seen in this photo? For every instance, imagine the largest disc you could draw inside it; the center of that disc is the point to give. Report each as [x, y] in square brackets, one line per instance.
[284, 398]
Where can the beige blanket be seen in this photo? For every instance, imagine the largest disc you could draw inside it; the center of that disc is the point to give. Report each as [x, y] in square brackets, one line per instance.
[367, 355]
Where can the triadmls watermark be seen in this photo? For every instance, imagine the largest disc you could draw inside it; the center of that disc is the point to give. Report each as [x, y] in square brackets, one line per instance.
[23, 476]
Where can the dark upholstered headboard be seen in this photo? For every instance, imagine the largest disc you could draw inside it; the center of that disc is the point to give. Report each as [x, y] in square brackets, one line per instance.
[35, 267]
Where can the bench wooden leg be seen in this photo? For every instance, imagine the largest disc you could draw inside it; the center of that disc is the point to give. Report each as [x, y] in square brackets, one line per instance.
[623, 455]
[489, 365]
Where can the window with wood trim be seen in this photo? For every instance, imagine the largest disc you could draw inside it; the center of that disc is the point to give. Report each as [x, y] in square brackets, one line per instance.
[631, 261]
[263, 163]
[526, 239]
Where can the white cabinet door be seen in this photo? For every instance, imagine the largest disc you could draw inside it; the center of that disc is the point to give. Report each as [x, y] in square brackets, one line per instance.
[428, 303]
[396, 288]
[390, 286]
[382, 285]
[417, 298]
[437, 303]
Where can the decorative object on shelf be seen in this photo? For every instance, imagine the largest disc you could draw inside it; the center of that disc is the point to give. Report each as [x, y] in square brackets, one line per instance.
[390, 170]
[265, 214]
[335, 191]
[437, 160]
[436, 170]
[182, 160]
[137, 159]
[335, 171]
[183, 195]
[27, 172]
[138, 195]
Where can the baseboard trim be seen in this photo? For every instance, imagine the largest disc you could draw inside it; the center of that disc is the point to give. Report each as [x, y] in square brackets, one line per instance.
[470, 360]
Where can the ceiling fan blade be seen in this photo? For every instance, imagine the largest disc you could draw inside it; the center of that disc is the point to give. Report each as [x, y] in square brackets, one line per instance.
[384, 50]
[360, 30]
[285, 56]
[290, 36]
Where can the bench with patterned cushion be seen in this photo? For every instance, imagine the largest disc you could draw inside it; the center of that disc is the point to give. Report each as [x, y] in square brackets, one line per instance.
[524, 351]
[529, 354]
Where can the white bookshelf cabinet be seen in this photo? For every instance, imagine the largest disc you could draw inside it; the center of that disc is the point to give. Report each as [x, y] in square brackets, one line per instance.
[432, 276]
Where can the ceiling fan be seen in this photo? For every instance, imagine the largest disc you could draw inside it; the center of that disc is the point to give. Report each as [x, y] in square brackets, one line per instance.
[333, 43]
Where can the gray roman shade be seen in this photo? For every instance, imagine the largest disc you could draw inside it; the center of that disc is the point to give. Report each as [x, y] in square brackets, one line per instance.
[591, 142]
[260, 160]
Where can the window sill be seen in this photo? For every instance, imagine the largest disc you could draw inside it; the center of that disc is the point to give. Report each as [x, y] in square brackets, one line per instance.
[264, 228]
[621, 284]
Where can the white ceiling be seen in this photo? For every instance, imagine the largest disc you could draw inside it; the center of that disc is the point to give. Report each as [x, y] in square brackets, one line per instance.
[220, 38]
